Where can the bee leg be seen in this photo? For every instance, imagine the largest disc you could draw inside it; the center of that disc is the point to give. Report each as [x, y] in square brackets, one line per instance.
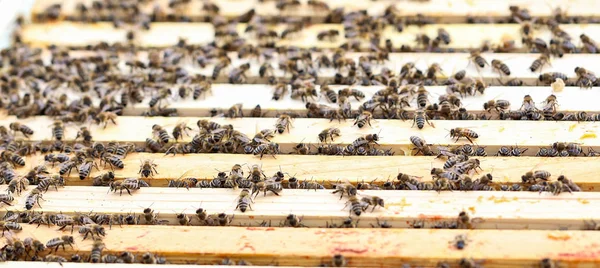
[469, 139]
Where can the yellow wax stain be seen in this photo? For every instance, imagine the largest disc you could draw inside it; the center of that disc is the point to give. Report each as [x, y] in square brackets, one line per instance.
[401, 204]
[501, 200]
[501, 129]
[572, 127]
[479, 199]
[472, 209]
[583, 201]
[559, 236]
[588, 135]
[469, 2]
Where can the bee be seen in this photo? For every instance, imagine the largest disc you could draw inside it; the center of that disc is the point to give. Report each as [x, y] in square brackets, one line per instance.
[163, 94]
[7, 199]
[147, 168]
[86, 168]
[96, 252]
[331, 95]
[106, 117]
[271, 148]
[34, 197]
[58, 130]
[463, 132]
[18, 127]
[113, 160]
[364, 118]
[464, 221]
[60, 241]
[235, 111]
[85, 134]
[498, 105]
[329, 133]
[203, 87]
[244, 200]
[338, 261]
[279, 92]
[531, 176]
[574, 149]
[585, 78]
[12, 158]
[104, 179]
[549, 78]
[34, 245]
[589, 45]
[92, 229]
[460, 241]
[421, 146]
[54, 258]
[501, 67]
[283, 122]
[366, 140]
[330, 35]
[345, 187]
[179, 130]
[292, 221]
[372, 201]
[478, 59]
[153, 145]
[355, 205]
[45, 183]
[183, 219]
[238, 75]
[347, 92]
[161, 133]
[420, 118]
[538, 63]
[568, 183]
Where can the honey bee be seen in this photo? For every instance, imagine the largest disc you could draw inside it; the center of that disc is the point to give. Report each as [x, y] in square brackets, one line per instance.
[7, 199]
[147, 168]
[330, 35]
[347, 92]
[531, 176]
[163, 94]
[204, 87]
[279, 92]
[238, 75]
[549, 78]
[421, 146]
[106, 117]
[161, 133]
[366, 140]
[292, 221]
[501, 67]
[86, 168]
[222, 62]
[179, 130]
[478, 59]
[364, 118]
[585, 78]
[93, 230]
[355, 205]
[539, 62]
[372, 201]
[13, 158]
[18, 127]
[498, 105]
[420, 118]
[463, 132]
[283, 122]
[338, 261]
[153, 145]
[329, 133]
[60, 241]
[58, 130]
[235, 111]
[345, 187]
[244, 200]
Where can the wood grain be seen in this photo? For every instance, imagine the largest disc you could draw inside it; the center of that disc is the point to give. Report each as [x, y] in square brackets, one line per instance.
[395, 134]
[441, 11]
[362, 247]
[466, 36]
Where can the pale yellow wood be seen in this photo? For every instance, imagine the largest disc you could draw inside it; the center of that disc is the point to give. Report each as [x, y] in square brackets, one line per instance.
[465, 36]
[441, 11]
[395, 134]
[362, 247]
[27, 264]
[329, 169]
[449, 62]
[495, 210]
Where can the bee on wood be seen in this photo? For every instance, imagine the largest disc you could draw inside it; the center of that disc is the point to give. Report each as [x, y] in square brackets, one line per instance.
[161, 133]
[86, 168]
[329, 133]
[163, 94]
[147, 168]
[347, 92]
[18, 127]
[13, 158]
[463, 132]
[60, 241]
[283, 122]
[501, 67]
[153, 145]
[45, 183]
[93, 230]
[244, 200]
[420, 118]
[356, 206]
[498, 105]
[538, 63]
[345, 187]
[421, 146]
[585, 78]
[179, 130]
[106, 117]
[331, 95]
[338, 261]
[58, 130]
[574, 149]
[292, 221]
[589, 45]
[532, 176]
[7, 199]
[85, 134]
[222, 62]
[372, 201]
[549, 78]
[279, 92]
[235, 111]
[204, 87]
[330, 35]
[364, 118]
[366, 140]
[569, 183]
[238, 75]
[302, 148]
[104, 179]
[478, 59]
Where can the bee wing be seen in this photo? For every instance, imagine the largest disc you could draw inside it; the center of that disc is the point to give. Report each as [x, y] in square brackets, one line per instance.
[477, 220]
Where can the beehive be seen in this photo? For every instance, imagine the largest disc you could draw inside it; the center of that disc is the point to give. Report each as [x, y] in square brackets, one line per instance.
[80, 62]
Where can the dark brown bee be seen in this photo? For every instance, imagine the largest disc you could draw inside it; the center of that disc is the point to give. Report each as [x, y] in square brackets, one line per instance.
[204, 87]
[421, 146]
[549, 78]
[363, 119]
[538, 63]
[58, 130]
[318, 5]
[347, 92]
[498, 105]
[161, 133]
[463, 132]
[500, 66]
[589, 45]
[585, 78]
[283, 122]
[478, 59]
[235, 111]
[179, 130]
[331, 95]
[279, 92]
[12, 158]
[329, 133]
[148, 168]
[18, 127]
[443, 35]
[153, 145]
[330, 35]
[238, 75]
[420, 118]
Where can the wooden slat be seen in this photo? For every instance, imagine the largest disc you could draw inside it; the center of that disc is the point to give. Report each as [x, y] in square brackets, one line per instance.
[465, 36]
[449, 62]
[362, 247]
[395, 133]
[226, 95]
[27, 264]
[506, 170]
[441, 11]
[403, 209]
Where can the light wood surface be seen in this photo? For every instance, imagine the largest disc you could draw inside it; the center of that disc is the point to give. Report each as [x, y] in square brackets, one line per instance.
[329, 169]
[446, 11]
[395, 134]
[362, 247]
[465, 36]
[449, 62]
[403, 209]
[26, 264]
